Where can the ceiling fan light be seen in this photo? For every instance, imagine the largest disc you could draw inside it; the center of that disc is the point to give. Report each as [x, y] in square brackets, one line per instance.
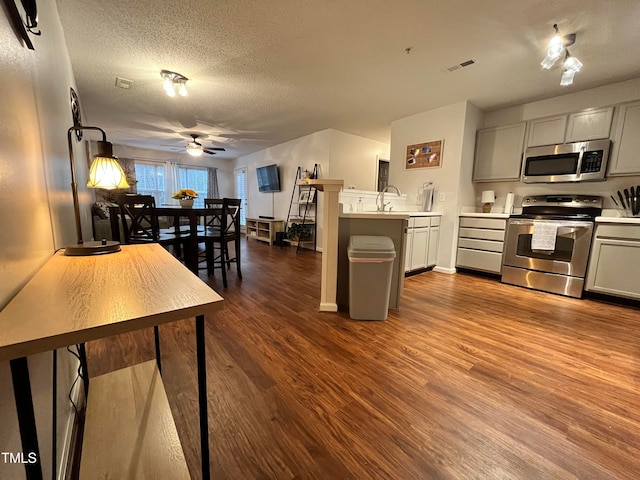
[194, 149]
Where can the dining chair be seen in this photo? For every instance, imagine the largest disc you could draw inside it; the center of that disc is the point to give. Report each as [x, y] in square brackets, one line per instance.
[140, 223]
[221, 228]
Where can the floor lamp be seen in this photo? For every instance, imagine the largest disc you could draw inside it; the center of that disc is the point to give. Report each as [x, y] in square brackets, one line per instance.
[105, 172]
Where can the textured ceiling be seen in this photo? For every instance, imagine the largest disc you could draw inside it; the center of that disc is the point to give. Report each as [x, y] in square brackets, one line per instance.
[261, 73]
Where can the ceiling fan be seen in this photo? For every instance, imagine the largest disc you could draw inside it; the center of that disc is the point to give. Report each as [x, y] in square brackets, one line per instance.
[196, 149]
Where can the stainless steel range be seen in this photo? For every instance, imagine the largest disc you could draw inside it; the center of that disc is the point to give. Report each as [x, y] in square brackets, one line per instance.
[547, 246]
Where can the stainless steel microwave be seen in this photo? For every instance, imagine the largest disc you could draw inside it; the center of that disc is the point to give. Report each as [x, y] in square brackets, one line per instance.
[568, 162]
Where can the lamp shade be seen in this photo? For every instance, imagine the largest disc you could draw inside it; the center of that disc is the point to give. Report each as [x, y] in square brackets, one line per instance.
[106, 172]
[488, 196]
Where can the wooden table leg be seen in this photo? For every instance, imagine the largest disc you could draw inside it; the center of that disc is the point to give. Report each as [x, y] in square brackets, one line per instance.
[202, 397]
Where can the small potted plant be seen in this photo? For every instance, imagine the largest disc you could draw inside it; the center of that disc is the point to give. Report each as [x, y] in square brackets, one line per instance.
[185, 196]
[299, 232]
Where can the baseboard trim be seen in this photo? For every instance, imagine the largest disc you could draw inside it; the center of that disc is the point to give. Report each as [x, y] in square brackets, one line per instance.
[444, 270]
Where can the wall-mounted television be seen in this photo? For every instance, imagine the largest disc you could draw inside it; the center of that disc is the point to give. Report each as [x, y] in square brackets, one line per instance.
[268, 178]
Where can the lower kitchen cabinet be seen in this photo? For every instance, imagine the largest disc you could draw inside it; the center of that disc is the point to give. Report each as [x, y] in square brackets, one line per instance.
[615, 261]
[480, 243]
[422, 239]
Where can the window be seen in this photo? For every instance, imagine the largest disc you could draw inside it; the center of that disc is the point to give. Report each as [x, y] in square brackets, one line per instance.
[196, 179]
[240, 175]
[160, 180]
[150, 178]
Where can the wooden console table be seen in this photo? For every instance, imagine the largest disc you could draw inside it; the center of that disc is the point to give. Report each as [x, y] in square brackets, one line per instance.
[73, 300]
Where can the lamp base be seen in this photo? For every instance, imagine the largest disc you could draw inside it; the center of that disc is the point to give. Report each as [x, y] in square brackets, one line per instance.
[92, 248]
[486, 207]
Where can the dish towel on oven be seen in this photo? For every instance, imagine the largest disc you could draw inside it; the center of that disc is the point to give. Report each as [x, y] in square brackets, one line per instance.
[544, 236]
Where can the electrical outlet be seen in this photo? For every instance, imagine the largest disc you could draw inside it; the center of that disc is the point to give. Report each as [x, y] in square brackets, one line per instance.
[441, 197]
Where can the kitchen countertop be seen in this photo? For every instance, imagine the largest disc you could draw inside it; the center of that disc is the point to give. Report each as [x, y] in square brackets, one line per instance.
[484, 215]
[629, 220]
[399, 215]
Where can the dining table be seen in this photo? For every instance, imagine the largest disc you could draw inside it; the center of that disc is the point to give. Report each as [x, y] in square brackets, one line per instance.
[177, 213]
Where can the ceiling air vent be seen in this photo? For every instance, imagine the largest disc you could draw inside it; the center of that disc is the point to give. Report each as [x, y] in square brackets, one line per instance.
[458, 66]
[123, 83]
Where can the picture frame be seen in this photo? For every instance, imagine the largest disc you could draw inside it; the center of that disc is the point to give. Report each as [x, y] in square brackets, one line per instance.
[306, 196]
[424, 155]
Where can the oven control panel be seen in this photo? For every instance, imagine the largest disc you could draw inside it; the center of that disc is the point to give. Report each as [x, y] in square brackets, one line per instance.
[570, 201]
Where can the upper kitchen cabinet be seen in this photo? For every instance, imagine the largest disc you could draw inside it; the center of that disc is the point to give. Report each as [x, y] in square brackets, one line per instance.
[626, 141]
[594, 124]
[499, 153]
[547, 131]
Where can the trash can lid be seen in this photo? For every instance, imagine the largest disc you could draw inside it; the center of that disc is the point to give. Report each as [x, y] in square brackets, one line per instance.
[370, 246]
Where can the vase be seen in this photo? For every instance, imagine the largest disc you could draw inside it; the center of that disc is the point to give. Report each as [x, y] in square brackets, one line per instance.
[186, 202]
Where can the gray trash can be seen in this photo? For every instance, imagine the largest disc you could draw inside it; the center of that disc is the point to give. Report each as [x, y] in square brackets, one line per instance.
[370, 267]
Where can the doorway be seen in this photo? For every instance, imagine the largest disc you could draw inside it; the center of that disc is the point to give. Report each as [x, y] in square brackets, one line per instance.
[383, 174]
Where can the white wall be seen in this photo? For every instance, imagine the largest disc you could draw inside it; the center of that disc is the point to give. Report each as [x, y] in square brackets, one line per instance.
[455, 125]
[572, 102]
[338, 155]
[355, 159]
[35, 204]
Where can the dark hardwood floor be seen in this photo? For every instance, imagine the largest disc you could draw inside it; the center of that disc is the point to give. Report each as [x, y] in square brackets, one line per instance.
[470, 379]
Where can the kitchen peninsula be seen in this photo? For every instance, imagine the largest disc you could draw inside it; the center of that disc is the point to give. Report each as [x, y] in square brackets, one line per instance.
[389, 224]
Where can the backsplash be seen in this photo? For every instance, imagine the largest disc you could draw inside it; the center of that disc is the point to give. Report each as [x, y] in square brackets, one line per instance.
[349, 198]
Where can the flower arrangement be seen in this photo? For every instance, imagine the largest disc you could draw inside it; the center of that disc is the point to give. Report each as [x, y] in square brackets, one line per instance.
[185, 194]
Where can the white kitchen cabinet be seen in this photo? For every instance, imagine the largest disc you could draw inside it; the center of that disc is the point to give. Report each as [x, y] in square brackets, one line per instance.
[480, 243]
[547, 131]
[422, 238]
[419, 248]
[434, 241]
[408, 246]
[626, 141]
[592, 124]
[498, 153]
[614, 265]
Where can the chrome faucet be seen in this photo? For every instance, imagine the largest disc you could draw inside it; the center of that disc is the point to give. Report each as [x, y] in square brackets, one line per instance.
[381, 207]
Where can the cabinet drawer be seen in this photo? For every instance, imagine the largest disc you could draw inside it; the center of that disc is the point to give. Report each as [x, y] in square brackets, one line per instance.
[630, 232]
[477, 222]
[482, 234]
[421, 221]
[475, 244]
[435, 221]
[479, 260]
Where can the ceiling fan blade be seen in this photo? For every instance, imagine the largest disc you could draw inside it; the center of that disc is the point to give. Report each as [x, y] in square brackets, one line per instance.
[217, 149]
[206, 150]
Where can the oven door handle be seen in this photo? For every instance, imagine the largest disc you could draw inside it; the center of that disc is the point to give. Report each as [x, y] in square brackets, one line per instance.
[561, 223]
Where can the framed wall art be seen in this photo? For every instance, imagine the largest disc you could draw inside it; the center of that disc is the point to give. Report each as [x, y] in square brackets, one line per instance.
[424, 155]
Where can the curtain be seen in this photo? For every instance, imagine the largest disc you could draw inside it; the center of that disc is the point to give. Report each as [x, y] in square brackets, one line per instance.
[129, 167]
[212, 187]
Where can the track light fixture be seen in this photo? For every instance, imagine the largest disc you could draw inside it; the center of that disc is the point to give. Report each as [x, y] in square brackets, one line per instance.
[174, 82]
[557, 46]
